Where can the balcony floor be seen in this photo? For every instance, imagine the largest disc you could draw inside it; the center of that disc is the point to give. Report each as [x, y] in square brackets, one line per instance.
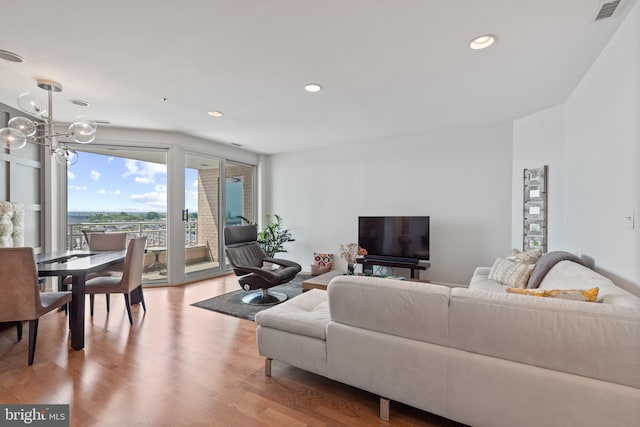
[156, 276]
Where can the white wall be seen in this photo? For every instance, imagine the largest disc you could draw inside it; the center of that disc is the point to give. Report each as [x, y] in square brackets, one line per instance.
[602, 142]
[459, 177]
[538, 140]
[600, 174]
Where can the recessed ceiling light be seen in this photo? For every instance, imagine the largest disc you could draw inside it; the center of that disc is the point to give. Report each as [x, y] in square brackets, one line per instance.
[215, 114]
[312, 87]
[10, 56]
[482, 42]
[79, 102]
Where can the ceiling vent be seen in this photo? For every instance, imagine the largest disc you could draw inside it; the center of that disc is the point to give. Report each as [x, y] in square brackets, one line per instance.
[607, 10]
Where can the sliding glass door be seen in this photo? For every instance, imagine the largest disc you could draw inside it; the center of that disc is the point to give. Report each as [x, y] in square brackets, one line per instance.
[239, 194]
[126, 190]
[201, 215]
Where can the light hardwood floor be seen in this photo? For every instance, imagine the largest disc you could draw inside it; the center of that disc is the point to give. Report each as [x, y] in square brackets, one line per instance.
[178, 366]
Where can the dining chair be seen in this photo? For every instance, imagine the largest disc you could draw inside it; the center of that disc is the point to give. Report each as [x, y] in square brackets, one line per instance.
[98, 241]
[21, 296]
[125, 283]
[12, 232]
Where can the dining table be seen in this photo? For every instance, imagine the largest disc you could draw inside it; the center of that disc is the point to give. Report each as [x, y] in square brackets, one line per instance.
[77, 264]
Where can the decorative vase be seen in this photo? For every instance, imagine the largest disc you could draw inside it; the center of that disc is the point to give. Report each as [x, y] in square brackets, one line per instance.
[351, 267]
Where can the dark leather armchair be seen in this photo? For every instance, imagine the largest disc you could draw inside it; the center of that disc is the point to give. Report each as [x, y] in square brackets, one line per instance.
[247, 258]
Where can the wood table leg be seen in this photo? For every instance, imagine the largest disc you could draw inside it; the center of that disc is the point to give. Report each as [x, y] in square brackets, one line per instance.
[76, 315]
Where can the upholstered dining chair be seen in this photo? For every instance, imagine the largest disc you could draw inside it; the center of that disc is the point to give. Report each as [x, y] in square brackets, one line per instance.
[12, 232]
[125, 283]
[247, 258]
[103, 242]
[21, 297]
[107, 242]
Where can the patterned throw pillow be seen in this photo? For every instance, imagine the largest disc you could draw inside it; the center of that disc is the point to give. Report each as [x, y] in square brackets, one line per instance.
[511, 273]
[530, 256]
[586, 295]
[323, 260]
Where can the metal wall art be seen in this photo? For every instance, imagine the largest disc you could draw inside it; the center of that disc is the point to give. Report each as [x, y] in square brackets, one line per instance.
[535, 209]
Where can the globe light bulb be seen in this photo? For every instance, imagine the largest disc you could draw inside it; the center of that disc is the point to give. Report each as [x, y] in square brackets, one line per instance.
[72, 157]
[24, 125]
[83, 130]
[32, 104]
[65, 156]
[88, 121]
[12, 138]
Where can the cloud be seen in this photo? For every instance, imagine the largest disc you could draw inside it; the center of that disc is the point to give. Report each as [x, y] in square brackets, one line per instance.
[144, 180]
[161, 188]
[109, 160]
[144, 172]
[95, 175]
[195, 183]
[70, 175]
[116, 192]
[152, 199]
[78, 187]
[101, 191]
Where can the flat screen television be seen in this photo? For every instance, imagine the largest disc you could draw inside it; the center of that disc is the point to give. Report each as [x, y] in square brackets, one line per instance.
[395, 238]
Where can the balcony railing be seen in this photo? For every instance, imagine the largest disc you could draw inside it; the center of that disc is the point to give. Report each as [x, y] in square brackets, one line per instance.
[156, 232]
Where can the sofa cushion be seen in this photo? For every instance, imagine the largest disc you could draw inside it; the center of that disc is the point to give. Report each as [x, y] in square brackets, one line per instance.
[585, 295]
[483, 284]
[511, 273]
[570, 275]
[306, 314]
[599, 341]
[546, 263]
[407, 309]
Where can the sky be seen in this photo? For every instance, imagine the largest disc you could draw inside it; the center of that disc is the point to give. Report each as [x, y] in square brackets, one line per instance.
[99, 183]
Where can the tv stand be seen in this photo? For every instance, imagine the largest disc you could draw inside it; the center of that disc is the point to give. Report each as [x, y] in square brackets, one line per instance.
[421, 265]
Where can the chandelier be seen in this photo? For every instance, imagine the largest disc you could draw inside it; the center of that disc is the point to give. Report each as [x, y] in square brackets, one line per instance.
[22, 130]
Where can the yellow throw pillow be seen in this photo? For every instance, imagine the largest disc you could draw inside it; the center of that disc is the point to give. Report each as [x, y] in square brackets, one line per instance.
[586, 295]
[511, 273]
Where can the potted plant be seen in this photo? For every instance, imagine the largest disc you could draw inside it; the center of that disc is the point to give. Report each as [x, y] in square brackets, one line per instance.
[274, 235]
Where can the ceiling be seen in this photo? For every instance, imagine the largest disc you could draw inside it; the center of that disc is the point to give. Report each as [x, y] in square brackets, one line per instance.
[387, 67]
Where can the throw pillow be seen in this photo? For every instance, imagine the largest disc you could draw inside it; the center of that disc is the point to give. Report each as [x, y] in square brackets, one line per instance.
[511, 273]
[323, 260]
[586, 295]
[530, 256]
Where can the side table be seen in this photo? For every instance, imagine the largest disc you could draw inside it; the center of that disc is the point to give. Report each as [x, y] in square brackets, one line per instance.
[321, 281]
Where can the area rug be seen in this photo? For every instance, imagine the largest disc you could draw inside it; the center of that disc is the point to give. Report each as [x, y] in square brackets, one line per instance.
[232, 304]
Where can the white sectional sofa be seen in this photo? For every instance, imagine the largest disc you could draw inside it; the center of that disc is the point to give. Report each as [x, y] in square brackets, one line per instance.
[477, 355]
